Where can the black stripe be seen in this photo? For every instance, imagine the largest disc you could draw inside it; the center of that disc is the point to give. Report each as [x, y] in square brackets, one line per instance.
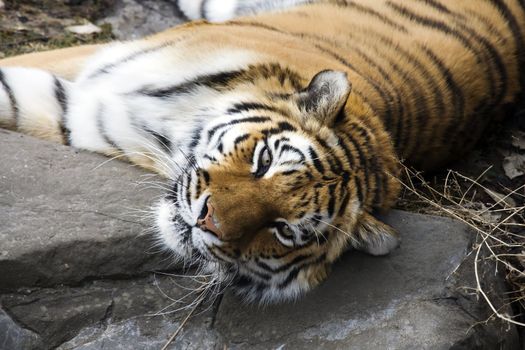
[315, 159]
[438, 6]
[283, 267]
[11, 96]
[198, 188]
[344, 204]
[260, 275]
[162, 140]
[202, 9]
[398, 131]
[195, 138]
[289, 172]
[333, 160]
[489, 25]
[395, 95]
[102, 128]
[285, 126]
[281, 127]
[421, 114]
[210, 158]
[493, 56]
[375, 85]
[248, 106]
[378, 192]
[220, 137]
[293, 274]
[188, 193]
[292, 149]
[213, 81]
[206, 176]
[324, 50]
[518, 37]
[240, 139]
[363, 164]
[257, 120]
[372, 163]
[331, 201]
[108, 67]
[230, 255]
[60, 94]
[360, 190]
[456, 92]
[415, 62]
[244, 281]
[371, 12]
[348, 155]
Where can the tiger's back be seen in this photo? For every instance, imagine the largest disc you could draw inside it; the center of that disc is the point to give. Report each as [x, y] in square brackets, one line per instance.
[436, 72]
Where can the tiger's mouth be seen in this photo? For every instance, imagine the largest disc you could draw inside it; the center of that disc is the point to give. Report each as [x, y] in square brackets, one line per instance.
[182, 238]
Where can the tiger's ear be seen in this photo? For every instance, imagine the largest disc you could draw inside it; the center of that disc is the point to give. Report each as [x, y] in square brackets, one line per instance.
[325, 96]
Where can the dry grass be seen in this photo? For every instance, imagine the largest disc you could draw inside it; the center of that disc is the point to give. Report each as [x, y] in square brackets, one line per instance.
[500, 226]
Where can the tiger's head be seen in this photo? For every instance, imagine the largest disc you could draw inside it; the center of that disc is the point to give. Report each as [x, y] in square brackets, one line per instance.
[278, 187]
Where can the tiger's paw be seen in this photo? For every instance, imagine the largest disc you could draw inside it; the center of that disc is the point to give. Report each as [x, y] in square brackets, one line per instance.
[211, 10]
[375, 237]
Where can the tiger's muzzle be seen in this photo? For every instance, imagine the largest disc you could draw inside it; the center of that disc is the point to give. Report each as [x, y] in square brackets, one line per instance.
[207, 222]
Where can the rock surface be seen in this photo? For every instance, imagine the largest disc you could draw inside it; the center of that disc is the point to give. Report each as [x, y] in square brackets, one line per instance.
[132, 19]
[66, 215]
[407, 300]
[13, 336]
[60, 206]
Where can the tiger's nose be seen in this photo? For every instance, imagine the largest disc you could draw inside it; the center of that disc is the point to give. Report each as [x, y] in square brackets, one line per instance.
[207, 222]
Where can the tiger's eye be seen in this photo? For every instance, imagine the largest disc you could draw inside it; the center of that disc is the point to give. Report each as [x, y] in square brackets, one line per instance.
[266, 159]
[264, 162]
[287, 231]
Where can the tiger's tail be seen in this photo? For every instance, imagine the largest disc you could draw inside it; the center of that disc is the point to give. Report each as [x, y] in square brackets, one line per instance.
[34, 102]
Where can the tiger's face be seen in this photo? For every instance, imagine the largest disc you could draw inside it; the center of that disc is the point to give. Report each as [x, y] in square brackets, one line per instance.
[263, 195]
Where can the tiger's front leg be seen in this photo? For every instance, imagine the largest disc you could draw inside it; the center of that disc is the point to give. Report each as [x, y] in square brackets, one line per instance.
[34, 102]
[223, 10]
[35, 90]
[86, 115]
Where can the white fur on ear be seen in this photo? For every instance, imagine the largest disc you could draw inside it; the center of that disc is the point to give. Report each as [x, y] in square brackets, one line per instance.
[325, 96]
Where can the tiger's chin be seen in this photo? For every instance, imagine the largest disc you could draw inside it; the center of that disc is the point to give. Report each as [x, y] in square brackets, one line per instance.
[185, 242]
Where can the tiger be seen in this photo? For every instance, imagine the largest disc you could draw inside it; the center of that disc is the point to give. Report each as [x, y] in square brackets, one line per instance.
[282, 125]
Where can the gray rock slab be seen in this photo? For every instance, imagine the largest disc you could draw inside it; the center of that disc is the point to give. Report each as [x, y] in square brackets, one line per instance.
[64, 218]
[66, 215]
[13, 336]
[132, 19]
[113, 314]
[147, 334]
[402, 301]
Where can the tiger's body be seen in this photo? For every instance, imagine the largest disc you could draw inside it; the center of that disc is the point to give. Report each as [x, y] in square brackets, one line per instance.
[282, 131]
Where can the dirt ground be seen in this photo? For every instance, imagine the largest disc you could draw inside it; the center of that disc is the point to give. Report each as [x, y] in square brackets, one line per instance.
[31, 25]
[497, 164]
